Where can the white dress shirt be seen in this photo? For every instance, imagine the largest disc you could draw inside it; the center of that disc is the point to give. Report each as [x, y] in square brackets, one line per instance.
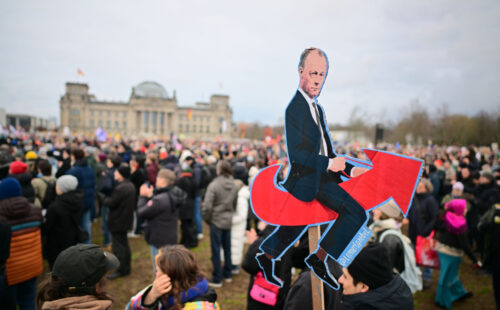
[311, 102]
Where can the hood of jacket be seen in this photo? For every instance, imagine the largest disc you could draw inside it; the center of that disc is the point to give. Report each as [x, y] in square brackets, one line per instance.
[226, 183]
[23, 178]
[15, 207]
[77, 302]
[73, 200]
[177, 195]
[394, 295]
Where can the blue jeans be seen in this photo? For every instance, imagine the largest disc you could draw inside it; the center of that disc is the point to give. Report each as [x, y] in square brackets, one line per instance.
[106, 235]
[154, 252]
[426, 273]
[85, 223]
[24, 294]
[218, 238]
[197, 215]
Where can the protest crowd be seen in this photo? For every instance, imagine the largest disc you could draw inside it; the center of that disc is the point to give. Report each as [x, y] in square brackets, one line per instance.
[175, 193]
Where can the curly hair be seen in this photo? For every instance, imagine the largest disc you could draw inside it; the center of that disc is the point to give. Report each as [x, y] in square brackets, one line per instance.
[180, 265]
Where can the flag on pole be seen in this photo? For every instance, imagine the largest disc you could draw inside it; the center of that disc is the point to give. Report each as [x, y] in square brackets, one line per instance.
[80, 72]
[101, 135]
[190, 114]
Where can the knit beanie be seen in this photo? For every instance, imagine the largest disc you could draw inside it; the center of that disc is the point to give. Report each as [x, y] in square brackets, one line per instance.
[10, 187]
[67, 183]
[124, 171]
[18, 167]
[390, 209]
[240, 173]
[371, 266]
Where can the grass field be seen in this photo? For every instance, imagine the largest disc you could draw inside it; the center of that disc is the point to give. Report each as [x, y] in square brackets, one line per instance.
[233, 296]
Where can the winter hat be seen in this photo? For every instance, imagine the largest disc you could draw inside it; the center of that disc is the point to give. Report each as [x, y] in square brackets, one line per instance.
[102, 157]
[5, 158]
[67, 183]
[30, 155]
[81, 266]
[454, 219]
[10, 187]
[488, 175]
[371, 266]
[18, 167]
[458, 186]
[240, 173]
[390, 209]
[124, 171]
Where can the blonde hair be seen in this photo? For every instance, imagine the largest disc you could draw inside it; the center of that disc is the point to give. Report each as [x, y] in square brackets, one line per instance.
[167, 175]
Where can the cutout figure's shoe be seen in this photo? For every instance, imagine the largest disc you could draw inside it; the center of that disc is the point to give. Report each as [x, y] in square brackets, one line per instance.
[267, 266]
[320, 269]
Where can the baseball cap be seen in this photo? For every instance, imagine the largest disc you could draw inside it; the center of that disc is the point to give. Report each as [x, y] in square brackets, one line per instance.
[83, 265]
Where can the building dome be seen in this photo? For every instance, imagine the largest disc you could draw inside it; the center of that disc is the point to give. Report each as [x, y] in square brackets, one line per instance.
[150, 89]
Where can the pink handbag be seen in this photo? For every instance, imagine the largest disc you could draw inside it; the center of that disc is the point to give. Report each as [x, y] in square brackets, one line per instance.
[263, 291]
[425, 255]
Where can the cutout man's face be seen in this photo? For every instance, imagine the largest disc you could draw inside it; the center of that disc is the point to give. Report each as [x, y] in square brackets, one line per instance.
[313, 74]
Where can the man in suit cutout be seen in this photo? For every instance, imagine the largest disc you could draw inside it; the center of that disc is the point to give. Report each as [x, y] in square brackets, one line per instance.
[315, 172]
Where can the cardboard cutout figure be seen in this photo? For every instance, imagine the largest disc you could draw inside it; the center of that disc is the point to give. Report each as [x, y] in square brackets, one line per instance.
[314, 191]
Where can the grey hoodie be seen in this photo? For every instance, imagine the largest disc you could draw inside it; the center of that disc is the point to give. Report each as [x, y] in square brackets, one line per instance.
[220, 202]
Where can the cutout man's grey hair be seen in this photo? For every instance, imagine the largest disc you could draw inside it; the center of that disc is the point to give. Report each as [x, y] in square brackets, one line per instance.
[306, 53]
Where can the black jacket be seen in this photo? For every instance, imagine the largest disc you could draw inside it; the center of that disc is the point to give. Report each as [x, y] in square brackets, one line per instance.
[457, 241]
[28, 191]
[423, 214]
[282, 271]
[161, 215]
[187, 184]
[395, 249]
[61, 225]
[138, 178]
[121, 207]
[300, 295]
[394, 295]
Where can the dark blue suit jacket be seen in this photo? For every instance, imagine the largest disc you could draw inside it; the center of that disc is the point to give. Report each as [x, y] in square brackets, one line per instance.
[303, 139]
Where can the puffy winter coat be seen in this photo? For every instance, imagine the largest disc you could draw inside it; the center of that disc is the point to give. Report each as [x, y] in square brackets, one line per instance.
[25, 260]
[239, 224]
[161, 215]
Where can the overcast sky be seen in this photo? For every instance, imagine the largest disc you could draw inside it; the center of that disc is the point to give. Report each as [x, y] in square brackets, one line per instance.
[383, 54]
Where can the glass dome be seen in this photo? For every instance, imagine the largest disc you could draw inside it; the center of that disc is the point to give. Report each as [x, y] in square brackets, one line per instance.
[150, 89]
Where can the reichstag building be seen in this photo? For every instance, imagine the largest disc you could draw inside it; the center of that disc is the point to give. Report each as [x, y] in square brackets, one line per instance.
[149, 111]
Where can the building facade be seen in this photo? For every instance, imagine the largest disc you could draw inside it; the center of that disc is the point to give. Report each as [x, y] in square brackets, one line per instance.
[149, 111]
[27, 122]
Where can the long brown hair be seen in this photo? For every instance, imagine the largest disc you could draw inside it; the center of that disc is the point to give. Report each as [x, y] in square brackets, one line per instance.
[53, 288]
[180, 265]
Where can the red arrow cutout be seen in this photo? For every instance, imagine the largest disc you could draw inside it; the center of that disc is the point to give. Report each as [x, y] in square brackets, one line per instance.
[392, 176]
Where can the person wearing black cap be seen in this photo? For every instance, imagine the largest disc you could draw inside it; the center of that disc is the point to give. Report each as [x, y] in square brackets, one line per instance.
[121, 215]
[76, 279]
[369, 283]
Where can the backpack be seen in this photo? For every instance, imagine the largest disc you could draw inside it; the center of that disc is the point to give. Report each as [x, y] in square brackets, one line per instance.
[412, 274]
[50, 193]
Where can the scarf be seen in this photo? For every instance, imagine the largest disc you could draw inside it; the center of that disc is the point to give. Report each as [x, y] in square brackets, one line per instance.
[454, 219]
[198, 289]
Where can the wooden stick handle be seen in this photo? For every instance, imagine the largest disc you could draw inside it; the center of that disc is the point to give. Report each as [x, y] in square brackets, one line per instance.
[318, 299]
